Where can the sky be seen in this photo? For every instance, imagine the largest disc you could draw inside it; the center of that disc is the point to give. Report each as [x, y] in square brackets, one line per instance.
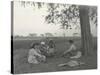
[31, 20]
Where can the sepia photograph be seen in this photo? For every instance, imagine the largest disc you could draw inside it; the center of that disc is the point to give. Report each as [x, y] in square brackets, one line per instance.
[51, 37]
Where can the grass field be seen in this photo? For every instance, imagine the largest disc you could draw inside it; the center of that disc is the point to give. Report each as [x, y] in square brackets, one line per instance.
[21, 49]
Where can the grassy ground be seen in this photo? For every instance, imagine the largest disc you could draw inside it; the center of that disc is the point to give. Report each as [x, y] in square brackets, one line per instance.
[21, 48]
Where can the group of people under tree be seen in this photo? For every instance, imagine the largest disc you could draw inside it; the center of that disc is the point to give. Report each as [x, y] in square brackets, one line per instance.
[39, 52]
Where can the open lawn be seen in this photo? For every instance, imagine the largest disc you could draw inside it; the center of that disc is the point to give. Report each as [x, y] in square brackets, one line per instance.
[21, 48]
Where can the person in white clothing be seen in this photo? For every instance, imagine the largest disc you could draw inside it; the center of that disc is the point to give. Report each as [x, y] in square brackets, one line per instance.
[72, 52]
[35, 55]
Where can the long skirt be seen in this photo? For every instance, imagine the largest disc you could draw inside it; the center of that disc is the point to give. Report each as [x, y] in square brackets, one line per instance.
[36, 60]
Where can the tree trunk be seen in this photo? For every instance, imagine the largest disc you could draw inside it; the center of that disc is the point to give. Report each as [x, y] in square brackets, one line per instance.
[87, 47]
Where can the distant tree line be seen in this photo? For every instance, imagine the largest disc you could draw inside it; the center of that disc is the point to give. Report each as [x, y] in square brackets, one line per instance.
[35, 35]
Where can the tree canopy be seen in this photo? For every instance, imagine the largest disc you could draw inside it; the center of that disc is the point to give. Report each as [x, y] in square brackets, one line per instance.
[64, 15]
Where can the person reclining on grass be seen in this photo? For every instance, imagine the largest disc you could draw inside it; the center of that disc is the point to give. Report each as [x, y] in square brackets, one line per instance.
[35, 56]
[72, 52]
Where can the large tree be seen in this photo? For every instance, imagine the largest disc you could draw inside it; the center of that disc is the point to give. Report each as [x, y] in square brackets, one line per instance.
[72, 14]
[87, 44]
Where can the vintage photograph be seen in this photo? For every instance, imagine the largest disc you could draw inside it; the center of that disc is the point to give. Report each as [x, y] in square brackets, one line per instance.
[50, 37]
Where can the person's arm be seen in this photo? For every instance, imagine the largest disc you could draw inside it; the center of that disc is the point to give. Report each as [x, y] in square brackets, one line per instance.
[70, 49]
[67, 50]
[36, 53]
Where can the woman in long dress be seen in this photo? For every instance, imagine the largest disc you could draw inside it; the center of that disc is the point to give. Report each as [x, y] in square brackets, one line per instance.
[35, 55]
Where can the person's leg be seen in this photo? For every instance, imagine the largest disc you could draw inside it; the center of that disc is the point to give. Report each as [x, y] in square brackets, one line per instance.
[69, 54]
[78, 55]
[33, 60]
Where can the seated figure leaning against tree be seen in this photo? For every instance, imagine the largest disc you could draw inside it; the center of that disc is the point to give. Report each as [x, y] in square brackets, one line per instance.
[72, 52]
[35, 56]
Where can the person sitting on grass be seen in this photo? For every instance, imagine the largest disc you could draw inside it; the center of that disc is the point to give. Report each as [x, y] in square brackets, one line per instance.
[51, 49]
[72, 52]
[35, 56]
[43, 48]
